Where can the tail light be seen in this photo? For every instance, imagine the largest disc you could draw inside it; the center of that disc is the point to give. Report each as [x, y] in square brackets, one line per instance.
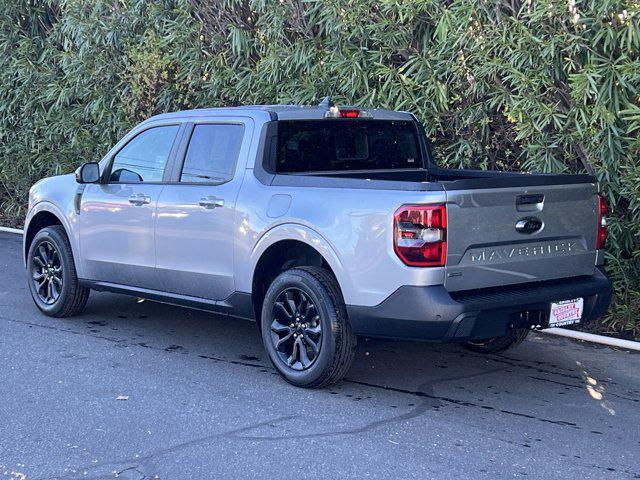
[420, 235]
[602, 223]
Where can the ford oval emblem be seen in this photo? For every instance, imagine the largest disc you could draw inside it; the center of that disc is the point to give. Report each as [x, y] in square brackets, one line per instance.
[528, 225]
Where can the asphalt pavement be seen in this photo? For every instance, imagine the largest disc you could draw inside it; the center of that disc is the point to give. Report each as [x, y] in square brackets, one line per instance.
[141, 390]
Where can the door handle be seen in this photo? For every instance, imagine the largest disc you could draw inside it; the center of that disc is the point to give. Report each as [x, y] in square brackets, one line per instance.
[211, 202]
[139, 199]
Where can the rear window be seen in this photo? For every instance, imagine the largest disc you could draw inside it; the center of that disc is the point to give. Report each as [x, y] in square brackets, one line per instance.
[335, 145]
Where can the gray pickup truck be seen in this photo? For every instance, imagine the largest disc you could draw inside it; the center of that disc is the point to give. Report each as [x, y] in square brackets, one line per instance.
[322, 224]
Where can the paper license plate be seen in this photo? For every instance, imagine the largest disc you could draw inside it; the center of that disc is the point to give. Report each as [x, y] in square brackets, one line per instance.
[566, 312]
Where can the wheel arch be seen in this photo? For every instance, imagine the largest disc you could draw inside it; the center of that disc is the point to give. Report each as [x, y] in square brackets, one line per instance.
[44, 215]
[286, 247]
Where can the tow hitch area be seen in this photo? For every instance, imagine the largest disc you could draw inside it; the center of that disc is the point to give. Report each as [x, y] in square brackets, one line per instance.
[535, 319]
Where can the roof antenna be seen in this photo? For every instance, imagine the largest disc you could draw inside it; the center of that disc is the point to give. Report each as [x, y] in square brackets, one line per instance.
[326, 103]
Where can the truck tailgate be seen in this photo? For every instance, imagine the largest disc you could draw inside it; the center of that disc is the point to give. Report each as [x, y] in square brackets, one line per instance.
[502, 236]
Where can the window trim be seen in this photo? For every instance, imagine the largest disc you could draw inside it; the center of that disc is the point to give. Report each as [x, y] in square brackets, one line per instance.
[181, 154]
[105, 179]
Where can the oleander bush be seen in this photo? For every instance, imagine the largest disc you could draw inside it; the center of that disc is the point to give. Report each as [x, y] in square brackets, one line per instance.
[523, 85]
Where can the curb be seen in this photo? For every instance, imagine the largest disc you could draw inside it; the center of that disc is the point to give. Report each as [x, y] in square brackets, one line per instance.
[11, 230]
[586, 337]
[590, 337]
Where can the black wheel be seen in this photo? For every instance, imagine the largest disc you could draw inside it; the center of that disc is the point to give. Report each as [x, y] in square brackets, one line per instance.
[52, 277]
[512, 339]
[305, 329]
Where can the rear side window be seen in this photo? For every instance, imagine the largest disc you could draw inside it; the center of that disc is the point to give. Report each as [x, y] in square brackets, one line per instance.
[212, 153]
[144, 158]
[335, 145]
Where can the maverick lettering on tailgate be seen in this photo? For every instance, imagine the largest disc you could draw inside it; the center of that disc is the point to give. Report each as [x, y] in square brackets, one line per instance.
[501, 254]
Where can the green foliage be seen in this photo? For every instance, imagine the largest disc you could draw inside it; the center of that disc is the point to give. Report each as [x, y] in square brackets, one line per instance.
[531, 85]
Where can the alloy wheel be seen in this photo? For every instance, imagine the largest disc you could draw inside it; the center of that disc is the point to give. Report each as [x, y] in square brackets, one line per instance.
[47, 272]
[296, 331]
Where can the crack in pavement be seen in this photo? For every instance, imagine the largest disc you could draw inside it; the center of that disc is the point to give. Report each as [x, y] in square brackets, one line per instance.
[581, 387]
[413, 413]
[63, 330]
[137, 461]
[465, 403]
[513, 363]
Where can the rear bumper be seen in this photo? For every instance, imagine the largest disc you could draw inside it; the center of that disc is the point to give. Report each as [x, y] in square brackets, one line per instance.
[434, 314]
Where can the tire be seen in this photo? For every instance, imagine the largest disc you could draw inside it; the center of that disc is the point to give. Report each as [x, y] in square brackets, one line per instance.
[71, 296]
[512, 339]
[323, 307]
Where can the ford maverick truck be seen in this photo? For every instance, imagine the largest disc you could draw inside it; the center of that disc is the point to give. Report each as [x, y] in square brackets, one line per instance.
[322, 224]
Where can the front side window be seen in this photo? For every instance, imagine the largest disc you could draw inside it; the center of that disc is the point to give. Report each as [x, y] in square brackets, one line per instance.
[212, 153]
[144, 158]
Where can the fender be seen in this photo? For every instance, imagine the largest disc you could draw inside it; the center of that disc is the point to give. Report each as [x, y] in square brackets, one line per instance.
[301, 233]
[69, 222]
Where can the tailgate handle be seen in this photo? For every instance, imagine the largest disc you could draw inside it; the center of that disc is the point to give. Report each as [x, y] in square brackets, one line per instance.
[530, 203]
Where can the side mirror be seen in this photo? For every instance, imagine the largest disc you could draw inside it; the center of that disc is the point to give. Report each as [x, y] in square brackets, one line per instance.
[88, 173]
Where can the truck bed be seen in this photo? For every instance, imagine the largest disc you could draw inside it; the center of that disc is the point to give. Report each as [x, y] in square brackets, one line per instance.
[484, 249]
[434, 178]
